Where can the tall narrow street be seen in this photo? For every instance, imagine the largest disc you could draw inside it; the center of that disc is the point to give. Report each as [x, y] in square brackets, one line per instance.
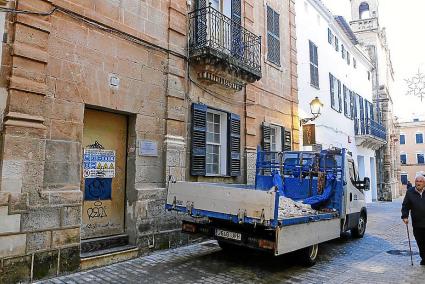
[380, 257]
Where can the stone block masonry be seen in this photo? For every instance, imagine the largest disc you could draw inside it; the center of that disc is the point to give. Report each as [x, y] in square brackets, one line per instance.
[61, 64]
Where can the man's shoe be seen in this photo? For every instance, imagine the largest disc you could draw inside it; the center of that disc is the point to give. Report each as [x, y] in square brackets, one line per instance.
[422, 262]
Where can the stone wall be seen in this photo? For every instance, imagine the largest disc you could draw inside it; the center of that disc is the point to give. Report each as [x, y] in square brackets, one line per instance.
[58, 64]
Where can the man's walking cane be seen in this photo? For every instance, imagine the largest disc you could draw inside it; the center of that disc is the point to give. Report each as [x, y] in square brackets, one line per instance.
[410, 245]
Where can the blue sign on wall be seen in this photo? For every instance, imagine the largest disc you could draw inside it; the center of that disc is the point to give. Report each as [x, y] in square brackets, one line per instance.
[97, 189]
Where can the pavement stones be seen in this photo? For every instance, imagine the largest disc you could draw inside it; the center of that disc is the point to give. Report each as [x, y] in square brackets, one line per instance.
[345, 260]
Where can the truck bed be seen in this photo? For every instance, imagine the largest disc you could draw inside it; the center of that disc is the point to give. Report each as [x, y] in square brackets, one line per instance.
[234, 202]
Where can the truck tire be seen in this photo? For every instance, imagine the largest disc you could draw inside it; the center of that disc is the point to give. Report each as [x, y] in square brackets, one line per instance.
[359, 231]
[308, 255]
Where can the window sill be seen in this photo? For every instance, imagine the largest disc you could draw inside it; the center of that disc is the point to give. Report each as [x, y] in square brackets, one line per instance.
[220, 176]
[274, 65]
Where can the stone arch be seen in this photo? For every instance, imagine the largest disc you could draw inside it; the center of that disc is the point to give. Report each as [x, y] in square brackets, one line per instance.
[364, 10]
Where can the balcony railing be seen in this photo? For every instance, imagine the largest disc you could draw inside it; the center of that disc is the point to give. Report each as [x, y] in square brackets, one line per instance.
[214, 34]
[370, 127]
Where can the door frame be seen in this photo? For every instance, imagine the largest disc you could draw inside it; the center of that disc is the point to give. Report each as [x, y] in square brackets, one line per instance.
[127, 118]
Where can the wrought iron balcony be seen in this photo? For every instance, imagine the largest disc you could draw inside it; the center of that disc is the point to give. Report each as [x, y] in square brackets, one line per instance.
[370, 134]
[223, 47]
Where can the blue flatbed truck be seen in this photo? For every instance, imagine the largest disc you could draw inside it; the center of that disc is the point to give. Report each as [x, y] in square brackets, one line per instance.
[251, 216]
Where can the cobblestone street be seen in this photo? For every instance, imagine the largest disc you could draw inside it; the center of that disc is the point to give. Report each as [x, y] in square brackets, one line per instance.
[346, 260]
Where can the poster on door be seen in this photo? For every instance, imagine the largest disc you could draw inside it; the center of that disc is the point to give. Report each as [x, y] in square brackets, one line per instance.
[99, 163]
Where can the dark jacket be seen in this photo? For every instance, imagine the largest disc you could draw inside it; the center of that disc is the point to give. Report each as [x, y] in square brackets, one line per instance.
[414, 203]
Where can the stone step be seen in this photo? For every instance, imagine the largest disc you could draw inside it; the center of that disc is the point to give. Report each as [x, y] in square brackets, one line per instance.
[108, 256]
[103, 243]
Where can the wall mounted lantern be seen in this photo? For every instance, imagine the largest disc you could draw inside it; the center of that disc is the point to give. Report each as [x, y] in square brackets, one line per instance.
[315, 109]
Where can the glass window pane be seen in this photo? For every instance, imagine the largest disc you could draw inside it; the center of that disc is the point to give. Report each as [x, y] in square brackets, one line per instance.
[209, 169]
[210, 116]
[216, 118]
[215, 169]
[209, 159]
[210, 127]
[210, 137]
[216, 138]
[217, 128]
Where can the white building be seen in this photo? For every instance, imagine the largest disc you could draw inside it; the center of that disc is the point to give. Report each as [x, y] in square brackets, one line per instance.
[332, 67]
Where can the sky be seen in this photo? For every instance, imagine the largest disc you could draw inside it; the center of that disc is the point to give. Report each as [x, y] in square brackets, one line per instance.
[404, 22]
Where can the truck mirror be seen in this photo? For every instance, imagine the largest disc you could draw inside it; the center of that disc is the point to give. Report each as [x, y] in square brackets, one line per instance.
[366, 183]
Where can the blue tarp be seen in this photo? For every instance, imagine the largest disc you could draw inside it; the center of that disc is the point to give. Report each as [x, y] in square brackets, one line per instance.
[326, 195]
[278, 182]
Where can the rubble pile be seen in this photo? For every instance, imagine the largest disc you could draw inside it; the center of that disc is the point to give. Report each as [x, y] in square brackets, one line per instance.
[289, 208]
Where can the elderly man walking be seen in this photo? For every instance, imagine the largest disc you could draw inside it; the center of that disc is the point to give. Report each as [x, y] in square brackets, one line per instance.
[414, 202]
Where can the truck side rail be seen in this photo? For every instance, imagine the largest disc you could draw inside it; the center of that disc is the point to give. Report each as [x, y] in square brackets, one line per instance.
[236, 203]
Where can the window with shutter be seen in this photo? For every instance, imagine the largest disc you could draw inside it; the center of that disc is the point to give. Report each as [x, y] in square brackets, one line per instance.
[234, 148]
[266, 137]
[339, 96]
[273, 36]
[201, 23]
[199, 130]
[332, 90]
[355, 109]
[287, 140]
[346, 102]
[314, 65]
[330, 36]
[362, 115]
[236, 29]
[216, 142]
[351, 104]
[336, 44]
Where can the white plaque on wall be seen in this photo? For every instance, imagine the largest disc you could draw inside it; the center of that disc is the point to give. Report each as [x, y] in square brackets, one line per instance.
[148, 148]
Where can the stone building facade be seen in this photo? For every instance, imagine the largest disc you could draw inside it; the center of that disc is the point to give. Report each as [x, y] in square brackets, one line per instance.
[372, 36]
[412, 150]
[102, 102]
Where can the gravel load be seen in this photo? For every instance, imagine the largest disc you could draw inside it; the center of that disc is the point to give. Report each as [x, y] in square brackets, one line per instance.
[289, 208]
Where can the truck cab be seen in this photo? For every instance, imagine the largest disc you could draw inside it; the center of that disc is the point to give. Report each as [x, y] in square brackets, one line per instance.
[300, 199]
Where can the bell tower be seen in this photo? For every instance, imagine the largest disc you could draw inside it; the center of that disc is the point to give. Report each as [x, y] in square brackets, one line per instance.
[372, 38]
[364, 9]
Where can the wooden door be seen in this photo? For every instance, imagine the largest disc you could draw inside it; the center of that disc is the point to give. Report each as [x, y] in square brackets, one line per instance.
[104, 173]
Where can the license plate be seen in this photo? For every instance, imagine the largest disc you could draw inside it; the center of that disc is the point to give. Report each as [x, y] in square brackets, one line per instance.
[228, 235]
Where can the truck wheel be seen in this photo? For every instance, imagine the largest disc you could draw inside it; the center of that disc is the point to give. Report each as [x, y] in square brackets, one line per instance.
[308, 255]
[359, 231]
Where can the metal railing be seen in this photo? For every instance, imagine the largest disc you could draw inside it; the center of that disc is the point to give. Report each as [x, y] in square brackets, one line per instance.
[211, 31]
[370, 127]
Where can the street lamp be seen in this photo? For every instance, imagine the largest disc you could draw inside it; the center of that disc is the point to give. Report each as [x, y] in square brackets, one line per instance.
[315, 109]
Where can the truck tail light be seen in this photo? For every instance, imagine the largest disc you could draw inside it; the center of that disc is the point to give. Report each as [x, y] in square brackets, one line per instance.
[266, 244]
[190, 228]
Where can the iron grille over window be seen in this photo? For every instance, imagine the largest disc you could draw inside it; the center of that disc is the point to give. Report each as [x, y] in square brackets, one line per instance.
[273, 38]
